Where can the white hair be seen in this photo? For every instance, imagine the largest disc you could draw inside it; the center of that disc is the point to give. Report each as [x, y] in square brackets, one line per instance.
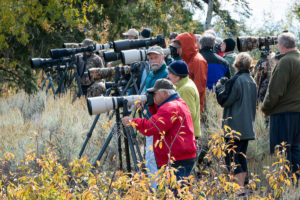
[288, 40]
[169, 91]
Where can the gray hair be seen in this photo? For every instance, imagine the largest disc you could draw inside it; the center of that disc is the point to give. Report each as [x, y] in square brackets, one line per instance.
[288, 40]
[243, 61]
[207, 40]
[211, 32]
[169, 91]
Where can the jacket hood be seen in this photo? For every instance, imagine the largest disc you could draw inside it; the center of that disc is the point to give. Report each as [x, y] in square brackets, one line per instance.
[188, 44]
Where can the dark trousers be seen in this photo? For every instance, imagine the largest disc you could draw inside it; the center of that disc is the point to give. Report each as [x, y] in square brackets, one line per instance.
[238, 158]
[184, 168]
[286, 127]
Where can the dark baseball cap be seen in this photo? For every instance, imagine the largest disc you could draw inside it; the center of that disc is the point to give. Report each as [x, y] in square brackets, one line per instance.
[162, 83]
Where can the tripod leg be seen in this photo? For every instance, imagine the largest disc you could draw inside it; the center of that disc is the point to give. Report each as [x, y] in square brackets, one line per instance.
[78, 82]
[61, 80]
[127, 142]
[133, 154]
[136, 144]
[43, 84]
[106, 143]
[120, 153]
[89, 134]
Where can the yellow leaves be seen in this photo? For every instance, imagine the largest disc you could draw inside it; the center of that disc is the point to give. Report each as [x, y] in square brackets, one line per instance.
[180, 118]
[160, 119]
[227, 128]
[133, 124]
[136, 102]
[181, 138]
[9, 156]
[173, 118]
[156, 143]
[107, 125]
[160, 144]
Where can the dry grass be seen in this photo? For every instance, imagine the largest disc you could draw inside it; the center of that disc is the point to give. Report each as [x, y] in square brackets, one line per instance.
[37, 122]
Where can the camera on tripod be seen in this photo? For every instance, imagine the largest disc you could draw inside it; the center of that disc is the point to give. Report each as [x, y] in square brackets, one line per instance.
[64, 52]
[43, 63]
[96, 74]
[134, 44]
[101, 104]
[248, 43]
[130, 56]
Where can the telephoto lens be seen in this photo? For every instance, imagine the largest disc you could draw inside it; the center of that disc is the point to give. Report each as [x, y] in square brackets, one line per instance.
[37, 63]
[101, 104]
[248, 43]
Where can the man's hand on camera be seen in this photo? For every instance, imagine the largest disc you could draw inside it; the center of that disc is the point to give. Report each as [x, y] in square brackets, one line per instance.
[126, 121]
[218, 83]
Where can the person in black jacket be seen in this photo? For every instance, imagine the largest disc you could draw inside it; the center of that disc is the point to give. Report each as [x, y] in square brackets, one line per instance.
[218, 67]
[238, 98]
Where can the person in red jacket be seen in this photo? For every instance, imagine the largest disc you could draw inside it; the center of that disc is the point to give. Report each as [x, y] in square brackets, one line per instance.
[171, 126]
[187, 49]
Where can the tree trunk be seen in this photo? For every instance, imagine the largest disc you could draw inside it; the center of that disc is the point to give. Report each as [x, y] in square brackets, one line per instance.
[209, 15]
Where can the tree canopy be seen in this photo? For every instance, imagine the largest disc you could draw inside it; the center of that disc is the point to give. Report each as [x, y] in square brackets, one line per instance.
[31, 28]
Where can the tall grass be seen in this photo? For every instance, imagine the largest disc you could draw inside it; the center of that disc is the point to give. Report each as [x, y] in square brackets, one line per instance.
[38, 122]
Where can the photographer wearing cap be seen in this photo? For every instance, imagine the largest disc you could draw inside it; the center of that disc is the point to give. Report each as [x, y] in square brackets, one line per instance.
[178, 74]
[170, 117]
[87, 61]
[238, 98]
[131, 34]
[282, 101]
[186, 46]
[158, 70]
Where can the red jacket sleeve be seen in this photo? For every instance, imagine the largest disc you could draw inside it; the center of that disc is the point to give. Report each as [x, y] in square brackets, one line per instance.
[198, 73]
[159, 122]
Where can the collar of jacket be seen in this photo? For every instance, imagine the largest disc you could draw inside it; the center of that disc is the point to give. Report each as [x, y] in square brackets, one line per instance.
[281, 55]
[171, 98]
[243, 71]
[181, 82]
[162, 68]
[207, 49]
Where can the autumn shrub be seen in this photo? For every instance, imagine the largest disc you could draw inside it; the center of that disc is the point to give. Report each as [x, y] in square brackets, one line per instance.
[40, 146]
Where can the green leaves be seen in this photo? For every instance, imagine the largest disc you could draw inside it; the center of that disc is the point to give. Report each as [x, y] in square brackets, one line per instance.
[31, 28]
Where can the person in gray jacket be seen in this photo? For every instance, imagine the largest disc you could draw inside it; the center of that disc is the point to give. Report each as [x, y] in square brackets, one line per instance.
[238, 97]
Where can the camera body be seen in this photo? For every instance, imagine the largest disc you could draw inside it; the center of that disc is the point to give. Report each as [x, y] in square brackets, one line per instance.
[223, 80]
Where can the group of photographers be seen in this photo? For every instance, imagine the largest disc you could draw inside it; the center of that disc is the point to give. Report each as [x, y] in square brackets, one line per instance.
[172, 125]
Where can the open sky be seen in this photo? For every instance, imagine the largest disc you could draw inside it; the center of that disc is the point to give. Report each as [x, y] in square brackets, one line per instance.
[277, 8]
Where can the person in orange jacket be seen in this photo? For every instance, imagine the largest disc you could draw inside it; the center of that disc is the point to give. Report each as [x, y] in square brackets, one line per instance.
[186, 46]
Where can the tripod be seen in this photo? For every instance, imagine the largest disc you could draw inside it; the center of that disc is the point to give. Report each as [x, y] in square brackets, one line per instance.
[130, 138]
[50, 83]
[262, 73]
[72, 67]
